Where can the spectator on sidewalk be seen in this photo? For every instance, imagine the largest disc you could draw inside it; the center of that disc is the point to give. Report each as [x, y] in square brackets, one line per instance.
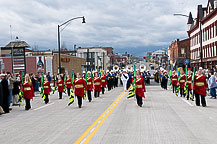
[5, 92]
[16, 91]
[11, 80]
[212, 85]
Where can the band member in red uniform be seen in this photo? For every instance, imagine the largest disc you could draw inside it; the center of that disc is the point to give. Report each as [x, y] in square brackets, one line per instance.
[60, 85]
[140, 88]
[80, 86]
[189, 81]
[97, 85]
[182, 83]
[47, 89]
[68, 84]
[89, 86]
[104, 83]
[28, 91]
[200, 88]
[174, 81]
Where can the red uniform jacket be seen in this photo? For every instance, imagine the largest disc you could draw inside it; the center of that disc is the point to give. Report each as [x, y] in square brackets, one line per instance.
[80, 85]
[90, 84]
[200, 84]
[189, 81]
[104, 81]
[140, 87]
[46, 87]
[60, 85]
[69, 83]
[97, 84]
[182, 81]
[175, 80]
[28, 91]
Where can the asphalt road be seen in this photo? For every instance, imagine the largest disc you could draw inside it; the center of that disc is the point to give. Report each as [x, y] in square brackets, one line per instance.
[112, 119]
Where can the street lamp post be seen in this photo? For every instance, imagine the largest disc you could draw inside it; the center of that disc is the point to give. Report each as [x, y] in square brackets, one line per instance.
[201, 40]
[58, 37]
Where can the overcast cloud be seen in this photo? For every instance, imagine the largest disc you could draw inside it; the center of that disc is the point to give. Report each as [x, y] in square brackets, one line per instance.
[135, 26]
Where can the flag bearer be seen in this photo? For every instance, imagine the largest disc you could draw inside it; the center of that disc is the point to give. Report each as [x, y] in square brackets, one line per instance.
[68, 85]
[140, 88]
[174, 81]
[89, 86]
[28, 91]
[182, 83]
[97, 85]
[60, 85]
[104, 82]
[80, 86]
[200, 88]
[47, 89]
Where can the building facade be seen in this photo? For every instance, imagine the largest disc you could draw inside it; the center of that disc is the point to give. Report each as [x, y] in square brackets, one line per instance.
[206, 21]
[179, 53]
[96, 58]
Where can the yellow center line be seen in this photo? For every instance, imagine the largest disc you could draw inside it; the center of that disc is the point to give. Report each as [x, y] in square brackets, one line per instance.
[103, 120]
[97, 120]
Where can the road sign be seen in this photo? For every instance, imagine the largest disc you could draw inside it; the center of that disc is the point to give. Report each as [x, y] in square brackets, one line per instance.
[187, 61]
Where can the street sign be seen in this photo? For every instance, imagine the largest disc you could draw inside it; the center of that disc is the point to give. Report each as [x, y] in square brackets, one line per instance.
[187, 61]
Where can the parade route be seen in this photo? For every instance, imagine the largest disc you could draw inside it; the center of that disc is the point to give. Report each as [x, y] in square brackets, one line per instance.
[164, 118]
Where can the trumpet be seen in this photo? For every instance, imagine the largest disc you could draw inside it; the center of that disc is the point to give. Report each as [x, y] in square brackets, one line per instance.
[130, 68]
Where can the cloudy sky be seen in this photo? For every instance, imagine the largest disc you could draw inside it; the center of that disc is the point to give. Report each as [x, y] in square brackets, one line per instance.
[136, 26]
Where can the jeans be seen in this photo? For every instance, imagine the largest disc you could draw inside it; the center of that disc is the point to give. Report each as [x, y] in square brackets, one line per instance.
[213, 92]
[10, 97]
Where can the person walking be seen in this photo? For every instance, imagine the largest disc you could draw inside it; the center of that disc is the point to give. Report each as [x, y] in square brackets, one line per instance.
[182, 83]
[200, 88]
[97, 85]
[139, 88]
[124, 79]
[89, 86]
[28, 91]
[47, 89]
[174, 81]
[80, 86]
[11, 80]
[68, 85]
[104, 82]
[60, 85]
[212, 85]
[189, 83]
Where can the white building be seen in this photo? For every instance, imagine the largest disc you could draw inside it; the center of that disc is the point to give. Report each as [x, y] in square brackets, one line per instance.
[97, 57]
[207, 17]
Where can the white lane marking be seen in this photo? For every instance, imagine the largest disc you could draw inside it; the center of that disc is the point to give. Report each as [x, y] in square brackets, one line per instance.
[44, 106]
[187, 102]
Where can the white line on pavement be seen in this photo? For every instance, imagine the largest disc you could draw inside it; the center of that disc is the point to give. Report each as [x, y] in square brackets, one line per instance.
[44, 106]
[187, 102]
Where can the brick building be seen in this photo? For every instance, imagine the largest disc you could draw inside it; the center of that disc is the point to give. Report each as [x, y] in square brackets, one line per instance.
[207, 17]
[179, 51]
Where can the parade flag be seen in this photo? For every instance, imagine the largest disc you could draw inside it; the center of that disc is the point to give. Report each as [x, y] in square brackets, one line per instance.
[192, 86]
[20, 97]
[55, 79]
[171, 78]
[186, 73]
[71, 99]
[133, 88]
[65, 83]
[178, 87]
[86, 83]
[42, 90]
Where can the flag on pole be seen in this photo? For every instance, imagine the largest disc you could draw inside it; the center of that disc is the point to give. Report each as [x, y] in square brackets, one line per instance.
[42, 90]
[133, 88]
[20, 97]
[171, 78]
[71, 99]
[178, 87]
[55, 79]
[65, 83]
[186, 73]
[192, 86]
